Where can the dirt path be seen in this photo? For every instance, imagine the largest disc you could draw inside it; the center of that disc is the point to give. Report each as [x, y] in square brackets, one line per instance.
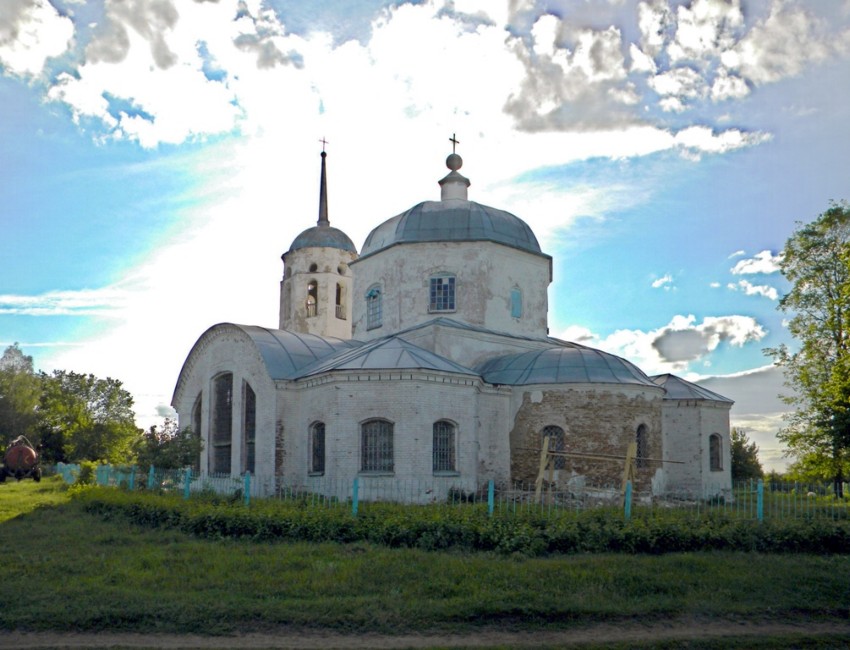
[482, 638]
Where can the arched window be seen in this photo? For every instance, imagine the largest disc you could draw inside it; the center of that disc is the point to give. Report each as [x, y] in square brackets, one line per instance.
[715, 453]
[376, 446]
[444, 446]
[516, 302]
[340, 301]
[317, 448]
[314, 267]
[642, 443]
[442, 293]
[249, 429]
[374, 308]
[312, 297]
[222, 423]
[196, 427]
[556, 443]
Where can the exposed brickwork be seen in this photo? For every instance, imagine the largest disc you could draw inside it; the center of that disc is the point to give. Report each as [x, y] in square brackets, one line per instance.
[599, 420]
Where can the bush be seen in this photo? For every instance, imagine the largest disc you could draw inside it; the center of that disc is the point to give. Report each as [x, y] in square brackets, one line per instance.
[468, 527]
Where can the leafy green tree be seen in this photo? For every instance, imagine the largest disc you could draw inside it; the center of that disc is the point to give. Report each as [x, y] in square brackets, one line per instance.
[20, 389]
[168, 447]
[816, 261]
[745, 456]
[86, 418]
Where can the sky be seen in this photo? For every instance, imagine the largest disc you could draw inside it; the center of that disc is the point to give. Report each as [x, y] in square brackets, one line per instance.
[158, 156]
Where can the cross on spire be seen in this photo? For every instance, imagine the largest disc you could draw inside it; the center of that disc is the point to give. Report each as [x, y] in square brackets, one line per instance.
[454, 142]
[324, 142]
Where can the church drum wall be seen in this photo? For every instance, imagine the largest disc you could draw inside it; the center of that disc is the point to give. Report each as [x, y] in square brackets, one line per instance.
[486, 273]
[596, 418]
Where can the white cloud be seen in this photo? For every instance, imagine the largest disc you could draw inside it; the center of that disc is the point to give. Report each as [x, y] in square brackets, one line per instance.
[31, 32]
[783, 44]
[665, 281]
[755, 289]
[705, 28]
[85, 302]
[737, 254]
[702, 139]
[764, 262]
[675, 346]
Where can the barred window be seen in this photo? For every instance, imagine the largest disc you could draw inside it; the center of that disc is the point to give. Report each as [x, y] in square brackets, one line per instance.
[444, 446]
[317, 448]
[222, 424]
[642, 443]
[442, 293]
[715, 453]
[249, 424]
[196, 427]
[373, 307]
[312, 298]
[376, 446]
[556, 443]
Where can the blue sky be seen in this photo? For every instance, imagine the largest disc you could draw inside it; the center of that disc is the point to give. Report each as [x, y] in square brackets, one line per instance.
[158, 156]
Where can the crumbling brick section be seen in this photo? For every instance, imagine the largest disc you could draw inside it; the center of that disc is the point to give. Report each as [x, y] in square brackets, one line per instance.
[595, 422]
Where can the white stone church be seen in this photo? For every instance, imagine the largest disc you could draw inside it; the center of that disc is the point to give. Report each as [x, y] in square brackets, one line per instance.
[426, 356]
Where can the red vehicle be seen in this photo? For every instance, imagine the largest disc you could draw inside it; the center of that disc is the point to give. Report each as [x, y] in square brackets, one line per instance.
[20, 461]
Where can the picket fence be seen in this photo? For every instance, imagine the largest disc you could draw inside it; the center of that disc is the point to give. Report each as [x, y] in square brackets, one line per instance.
[750, 500]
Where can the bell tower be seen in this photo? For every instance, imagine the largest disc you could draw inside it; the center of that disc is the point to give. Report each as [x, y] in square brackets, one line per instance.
[315, 292]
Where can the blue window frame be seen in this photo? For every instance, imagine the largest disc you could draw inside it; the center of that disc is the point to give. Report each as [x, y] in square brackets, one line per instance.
[374, 308]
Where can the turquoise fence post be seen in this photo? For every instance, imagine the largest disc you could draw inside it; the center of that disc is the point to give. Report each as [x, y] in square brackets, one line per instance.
[628, 501]
[131, 483]
[247, 488]
[187, 483]
[355, 496]
[151, 478]
[491, 493]
[760, 500]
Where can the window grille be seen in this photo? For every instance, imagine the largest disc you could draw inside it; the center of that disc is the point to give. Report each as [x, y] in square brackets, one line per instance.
[222, 429]
[317, 448]
[556, 443]
[376, 449]
[250, 428]
[715, 456]
[642, 445]
[442, 293]
[374, 308]
[444, 447]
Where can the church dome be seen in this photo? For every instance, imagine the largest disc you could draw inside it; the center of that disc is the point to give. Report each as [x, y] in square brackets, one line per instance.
[570, 364]
[323, 237]
[453, 218]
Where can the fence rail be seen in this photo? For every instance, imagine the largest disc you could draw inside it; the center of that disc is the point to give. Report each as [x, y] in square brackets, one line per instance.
[749, 500]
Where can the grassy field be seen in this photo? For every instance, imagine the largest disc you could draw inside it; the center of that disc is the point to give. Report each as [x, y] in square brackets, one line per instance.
[72, 571]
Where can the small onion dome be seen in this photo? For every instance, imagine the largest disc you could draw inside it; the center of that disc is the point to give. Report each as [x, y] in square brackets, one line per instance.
[323, 237]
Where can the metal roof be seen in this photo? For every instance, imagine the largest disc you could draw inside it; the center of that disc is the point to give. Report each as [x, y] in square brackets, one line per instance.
[568, 364]
[678, 388]
[323, 237]
[452, 220]
[286, 353]
[390, 353]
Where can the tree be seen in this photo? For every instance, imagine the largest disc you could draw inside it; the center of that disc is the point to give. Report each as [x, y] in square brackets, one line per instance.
[20, 389]
[168, 447]
[745, 459]
[86, 418]
[816, 261]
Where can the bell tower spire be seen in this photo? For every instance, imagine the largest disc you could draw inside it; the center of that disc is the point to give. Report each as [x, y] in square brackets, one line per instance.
[323, 190]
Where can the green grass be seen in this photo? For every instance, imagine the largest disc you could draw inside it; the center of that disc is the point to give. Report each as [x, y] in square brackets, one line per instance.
[66, 569]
